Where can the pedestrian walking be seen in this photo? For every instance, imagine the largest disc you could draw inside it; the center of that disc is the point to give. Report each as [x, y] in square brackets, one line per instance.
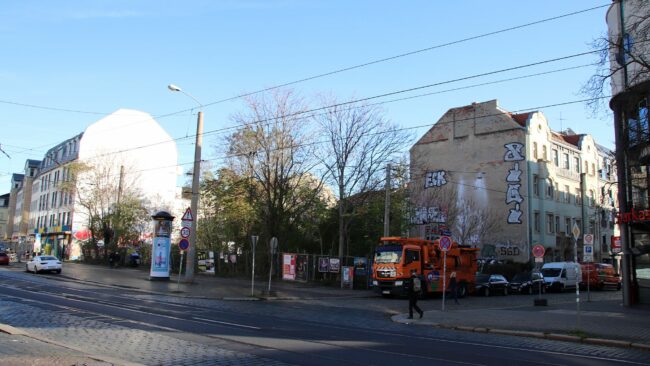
[453, 287]
[414, 290]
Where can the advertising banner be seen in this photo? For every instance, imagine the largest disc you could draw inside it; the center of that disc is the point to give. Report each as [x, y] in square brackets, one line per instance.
[335, 265]
[323, 264]
[288, 267]
[348, 276]
[160, 249]
[302, 267]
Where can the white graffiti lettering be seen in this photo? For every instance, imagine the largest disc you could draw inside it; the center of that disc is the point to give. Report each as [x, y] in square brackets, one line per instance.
[435, 179]
[514, 175]
[513, 194]
[514, 217]
[513, 152]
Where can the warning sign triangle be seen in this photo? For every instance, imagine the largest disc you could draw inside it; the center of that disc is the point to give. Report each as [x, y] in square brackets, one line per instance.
[187, 216]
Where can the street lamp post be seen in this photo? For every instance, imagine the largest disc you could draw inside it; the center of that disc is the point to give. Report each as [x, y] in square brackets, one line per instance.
[196, 174]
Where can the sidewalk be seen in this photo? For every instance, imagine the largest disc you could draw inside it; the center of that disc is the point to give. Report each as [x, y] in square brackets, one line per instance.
[205, 285]
[606, 323]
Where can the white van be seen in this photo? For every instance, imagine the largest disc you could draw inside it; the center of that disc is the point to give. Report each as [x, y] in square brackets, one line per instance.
[559, 276]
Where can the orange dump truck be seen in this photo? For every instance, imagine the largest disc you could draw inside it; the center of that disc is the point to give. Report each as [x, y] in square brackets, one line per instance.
[396, 257]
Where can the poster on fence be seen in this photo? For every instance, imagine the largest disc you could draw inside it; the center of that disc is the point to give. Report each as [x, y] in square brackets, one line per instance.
[335, 265]
[348, 277]
[323, 264]
[288, 267]
[302, 267]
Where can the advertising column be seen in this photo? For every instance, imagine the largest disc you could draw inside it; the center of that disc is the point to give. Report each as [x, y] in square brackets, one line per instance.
[161, 246]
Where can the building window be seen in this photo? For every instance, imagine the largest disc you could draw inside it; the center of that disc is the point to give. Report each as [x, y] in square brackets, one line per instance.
[535, 185]
[565, 160]
[535, 150]
[592, 198]
[557, 224]
[567, 195]
[549, 189]
[549, 224]
[544, 155]
[536, 223]
[576, 164]
[578, 197]
[556, 159]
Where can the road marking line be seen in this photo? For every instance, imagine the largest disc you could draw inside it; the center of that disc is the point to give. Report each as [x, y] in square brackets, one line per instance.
[226, 323]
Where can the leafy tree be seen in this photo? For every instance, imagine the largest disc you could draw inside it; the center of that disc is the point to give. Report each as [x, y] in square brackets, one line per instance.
[272, 150]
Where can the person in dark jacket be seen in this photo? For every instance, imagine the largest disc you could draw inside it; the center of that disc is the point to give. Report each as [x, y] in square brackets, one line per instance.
[413, 295]
[453, 287]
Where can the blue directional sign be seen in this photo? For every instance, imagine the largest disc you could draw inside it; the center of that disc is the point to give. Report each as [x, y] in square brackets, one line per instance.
[184, 244]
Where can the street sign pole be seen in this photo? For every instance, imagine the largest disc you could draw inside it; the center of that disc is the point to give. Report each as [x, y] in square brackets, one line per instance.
[273, 248]
[444, 278]
[444, 244]
[180, 270]
[253, 244]
[576, 235]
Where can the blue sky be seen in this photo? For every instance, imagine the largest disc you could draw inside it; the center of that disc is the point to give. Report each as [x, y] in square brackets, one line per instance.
[98, 56]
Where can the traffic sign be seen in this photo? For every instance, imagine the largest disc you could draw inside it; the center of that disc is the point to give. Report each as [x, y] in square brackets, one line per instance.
[539, 260]
[187, 216]
[588, 253]
[187, 224]
[444, 243]
[588, 239]
[183, 244]
[575, 231]
[185, 232]
[538, 251]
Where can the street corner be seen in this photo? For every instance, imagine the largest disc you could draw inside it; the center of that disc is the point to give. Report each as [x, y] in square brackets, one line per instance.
[8, 329]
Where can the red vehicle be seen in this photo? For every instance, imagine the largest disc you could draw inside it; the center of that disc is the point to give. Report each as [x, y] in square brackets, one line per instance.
[599, 276]
[396, 257]
[4, 259]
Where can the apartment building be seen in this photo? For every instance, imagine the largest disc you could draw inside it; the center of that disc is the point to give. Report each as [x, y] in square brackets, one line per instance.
[504, 182]
[126, 147]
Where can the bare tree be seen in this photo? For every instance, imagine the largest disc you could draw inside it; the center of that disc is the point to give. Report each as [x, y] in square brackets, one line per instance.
[474, 223]
[628, 50]
[359, 144]
[273, 149]
[95, 186]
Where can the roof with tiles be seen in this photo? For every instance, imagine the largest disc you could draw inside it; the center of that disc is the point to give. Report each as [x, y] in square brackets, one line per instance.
[521, 118]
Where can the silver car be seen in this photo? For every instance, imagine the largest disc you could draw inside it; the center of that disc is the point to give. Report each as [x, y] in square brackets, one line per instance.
[42, 263]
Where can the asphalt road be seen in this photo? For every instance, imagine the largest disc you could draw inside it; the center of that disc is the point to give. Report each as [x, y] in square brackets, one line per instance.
[157, 329]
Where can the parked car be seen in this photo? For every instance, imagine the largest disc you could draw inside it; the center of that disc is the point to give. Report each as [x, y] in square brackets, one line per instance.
[4, 259]
[528, 283]
[42, 263]
[560, 276]
[599, 276]
[487, 285]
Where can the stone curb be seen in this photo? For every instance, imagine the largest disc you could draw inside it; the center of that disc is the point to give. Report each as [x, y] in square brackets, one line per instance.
[8, 329]
[521, 333]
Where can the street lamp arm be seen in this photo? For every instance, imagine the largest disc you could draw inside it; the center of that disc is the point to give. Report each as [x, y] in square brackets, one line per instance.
[175, 88]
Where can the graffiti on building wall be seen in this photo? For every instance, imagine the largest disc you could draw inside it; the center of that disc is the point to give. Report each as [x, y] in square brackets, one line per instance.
[425, 215]
[435, 179]
[514, 153]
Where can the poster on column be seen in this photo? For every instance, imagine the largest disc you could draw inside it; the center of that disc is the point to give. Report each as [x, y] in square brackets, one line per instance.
[289, 267]
[335, 265]
[160, 265]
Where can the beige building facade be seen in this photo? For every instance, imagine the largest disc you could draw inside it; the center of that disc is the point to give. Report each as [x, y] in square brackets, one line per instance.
[504, 182]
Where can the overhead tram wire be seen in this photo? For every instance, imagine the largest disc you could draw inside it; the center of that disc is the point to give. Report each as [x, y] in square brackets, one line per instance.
[428, 125]
[373, 62]
[410, 53]
[224, 129]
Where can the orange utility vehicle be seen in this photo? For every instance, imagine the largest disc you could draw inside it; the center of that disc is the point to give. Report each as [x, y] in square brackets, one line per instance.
[396, 257]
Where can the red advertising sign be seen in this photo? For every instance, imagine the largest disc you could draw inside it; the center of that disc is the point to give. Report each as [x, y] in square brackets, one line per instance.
[616, 244]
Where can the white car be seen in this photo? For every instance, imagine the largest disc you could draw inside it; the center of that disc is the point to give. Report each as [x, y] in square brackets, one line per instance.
[43, 263]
